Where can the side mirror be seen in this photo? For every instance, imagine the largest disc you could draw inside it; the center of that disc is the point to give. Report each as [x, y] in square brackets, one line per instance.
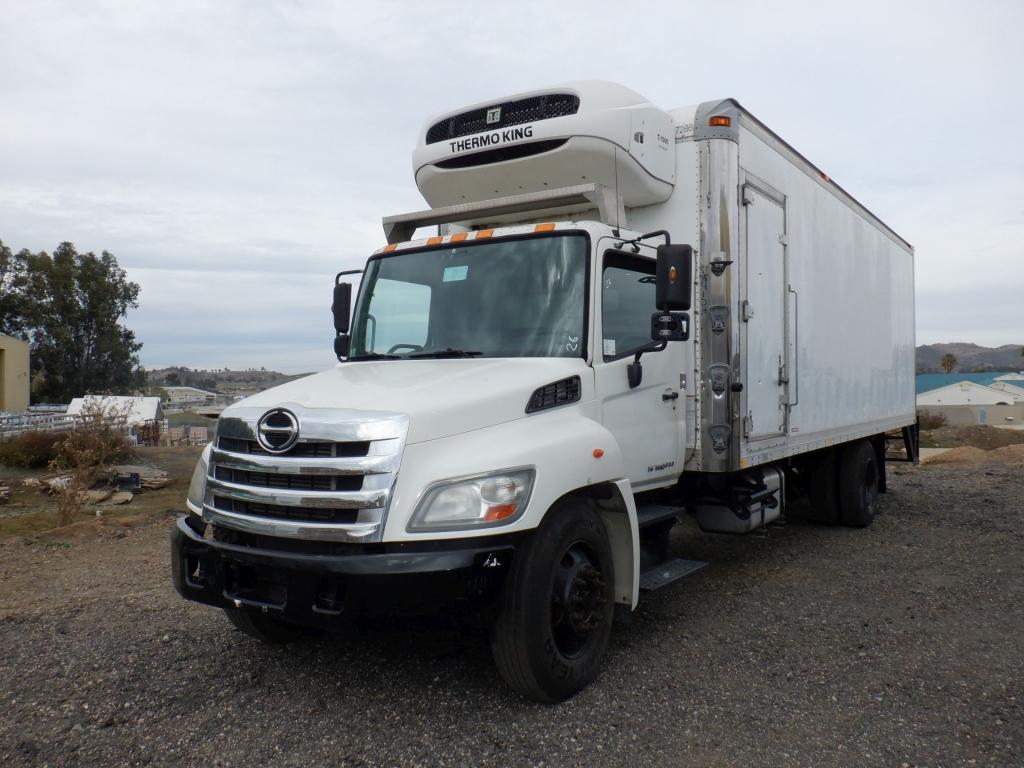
[674, 278]
[342, 306]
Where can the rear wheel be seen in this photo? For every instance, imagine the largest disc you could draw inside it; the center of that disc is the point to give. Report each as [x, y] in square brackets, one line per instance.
[263, 627]
[858, 484]
[555, 617]
[822, 489]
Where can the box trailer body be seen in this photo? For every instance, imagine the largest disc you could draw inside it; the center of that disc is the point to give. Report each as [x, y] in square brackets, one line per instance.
[508, 411]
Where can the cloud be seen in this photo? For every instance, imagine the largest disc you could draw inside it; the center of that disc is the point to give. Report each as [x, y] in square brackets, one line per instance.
[231, 152]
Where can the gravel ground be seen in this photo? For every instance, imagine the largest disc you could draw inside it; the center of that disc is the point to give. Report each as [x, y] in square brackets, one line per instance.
[901, 645]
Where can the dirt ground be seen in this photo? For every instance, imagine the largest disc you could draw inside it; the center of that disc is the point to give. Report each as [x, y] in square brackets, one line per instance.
[899, 645]
[978, 436]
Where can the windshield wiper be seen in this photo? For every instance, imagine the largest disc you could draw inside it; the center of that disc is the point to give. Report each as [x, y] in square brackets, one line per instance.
[449, 352]
[375, 356]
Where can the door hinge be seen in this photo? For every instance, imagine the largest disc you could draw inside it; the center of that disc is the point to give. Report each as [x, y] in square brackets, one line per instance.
[783, 239]
[748, 197]
[783, 372]
[748, 424]
[747, 311]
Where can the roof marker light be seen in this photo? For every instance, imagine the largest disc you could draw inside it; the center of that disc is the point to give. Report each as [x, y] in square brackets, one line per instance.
[483, 234]
[390, 248]
[437, 240]
[544, 228]
[458, 237]
[720, 121]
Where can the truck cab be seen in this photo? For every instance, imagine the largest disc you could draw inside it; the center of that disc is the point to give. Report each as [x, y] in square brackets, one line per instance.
[520, 411]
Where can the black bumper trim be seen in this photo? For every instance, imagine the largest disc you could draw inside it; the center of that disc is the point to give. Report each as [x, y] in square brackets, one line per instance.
[300, 574]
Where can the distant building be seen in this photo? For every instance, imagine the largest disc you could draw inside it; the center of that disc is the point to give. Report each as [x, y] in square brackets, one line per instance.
[14, 378]
[1016, 392]
[140, 409]
[965, 393]
[179, 395]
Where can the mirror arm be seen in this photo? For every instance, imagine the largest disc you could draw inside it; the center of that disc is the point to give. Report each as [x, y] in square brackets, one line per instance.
[337, 277]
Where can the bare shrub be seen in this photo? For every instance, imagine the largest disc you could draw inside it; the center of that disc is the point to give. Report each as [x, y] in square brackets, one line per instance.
[929, 420]
[87, 454]
[31, 450]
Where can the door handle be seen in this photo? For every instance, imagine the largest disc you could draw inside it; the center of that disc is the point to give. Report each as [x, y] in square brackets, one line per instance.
[670, 395]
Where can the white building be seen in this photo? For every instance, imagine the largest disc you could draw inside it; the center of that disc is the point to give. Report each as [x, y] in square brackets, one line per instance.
[140, 409]
[965, 393]
[1011, 377]
[1015, 391]
[177, 395]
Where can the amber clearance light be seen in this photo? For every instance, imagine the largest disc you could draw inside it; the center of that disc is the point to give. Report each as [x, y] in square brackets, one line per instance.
[719, 121]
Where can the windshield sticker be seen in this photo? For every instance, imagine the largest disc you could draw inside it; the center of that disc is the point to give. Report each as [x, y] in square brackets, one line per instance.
[455, 274]
[609, 347]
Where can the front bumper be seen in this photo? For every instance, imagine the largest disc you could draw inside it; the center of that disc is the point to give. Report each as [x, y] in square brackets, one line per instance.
[318, 589]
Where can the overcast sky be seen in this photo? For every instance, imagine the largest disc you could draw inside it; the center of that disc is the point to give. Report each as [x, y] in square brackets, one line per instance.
[234, 155]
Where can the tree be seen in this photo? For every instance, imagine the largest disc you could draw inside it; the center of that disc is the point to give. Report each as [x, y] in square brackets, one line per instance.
[948, 362]
[68, 306]
[12, 292]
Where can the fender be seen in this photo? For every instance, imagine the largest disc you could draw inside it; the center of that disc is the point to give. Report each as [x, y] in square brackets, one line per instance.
[570, 451]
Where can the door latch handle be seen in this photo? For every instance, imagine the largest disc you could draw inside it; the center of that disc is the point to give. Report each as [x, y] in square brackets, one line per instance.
[670, 395]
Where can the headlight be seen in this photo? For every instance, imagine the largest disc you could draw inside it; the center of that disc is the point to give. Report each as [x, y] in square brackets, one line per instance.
[480, 501]
[197, 486]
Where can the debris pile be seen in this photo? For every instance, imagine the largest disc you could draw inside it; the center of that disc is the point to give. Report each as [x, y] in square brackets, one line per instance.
[118, 487]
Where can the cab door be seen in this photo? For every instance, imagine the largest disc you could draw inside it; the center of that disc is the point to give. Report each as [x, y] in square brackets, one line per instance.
[647, 420]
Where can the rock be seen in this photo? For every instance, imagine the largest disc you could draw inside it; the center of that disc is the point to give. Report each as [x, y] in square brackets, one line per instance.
[121, 497]
[97, 495]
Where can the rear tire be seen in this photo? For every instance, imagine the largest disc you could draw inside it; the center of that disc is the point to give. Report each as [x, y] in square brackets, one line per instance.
[263, 627]
[822, 489]
[858, 484]
[555, 613]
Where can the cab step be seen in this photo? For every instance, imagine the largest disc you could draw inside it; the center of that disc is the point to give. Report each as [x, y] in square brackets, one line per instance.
[652, 514]
[668, 572]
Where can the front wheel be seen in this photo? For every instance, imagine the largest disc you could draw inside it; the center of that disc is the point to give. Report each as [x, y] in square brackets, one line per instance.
[555, 616]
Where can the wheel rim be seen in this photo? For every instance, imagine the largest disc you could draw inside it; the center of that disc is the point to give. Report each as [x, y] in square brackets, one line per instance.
[577, 600]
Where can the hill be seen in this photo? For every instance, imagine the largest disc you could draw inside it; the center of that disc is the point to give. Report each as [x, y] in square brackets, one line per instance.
[971, 357]
[219, 379]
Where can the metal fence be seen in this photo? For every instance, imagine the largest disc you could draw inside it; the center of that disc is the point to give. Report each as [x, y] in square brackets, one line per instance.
[14, 424]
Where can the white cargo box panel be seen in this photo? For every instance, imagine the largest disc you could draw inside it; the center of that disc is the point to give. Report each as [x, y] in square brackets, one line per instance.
[578, 133]
[807, 338]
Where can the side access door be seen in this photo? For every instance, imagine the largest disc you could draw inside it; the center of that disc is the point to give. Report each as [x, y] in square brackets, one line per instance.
[763, 311]
[647, 420]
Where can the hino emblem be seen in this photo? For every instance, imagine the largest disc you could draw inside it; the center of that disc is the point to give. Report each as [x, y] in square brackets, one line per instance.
[493, 115]
[277, 430]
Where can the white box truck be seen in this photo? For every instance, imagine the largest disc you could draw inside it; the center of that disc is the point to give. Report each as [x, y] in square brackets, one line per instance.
[627, 316]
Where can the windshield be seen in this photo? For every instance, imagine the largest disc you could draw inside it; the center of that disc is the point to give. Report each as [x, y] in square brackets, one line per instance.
[506, 298]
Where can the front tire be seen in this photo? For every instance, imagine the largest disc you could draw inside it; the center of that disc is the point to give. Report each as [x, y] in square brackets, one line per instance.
[555, 613]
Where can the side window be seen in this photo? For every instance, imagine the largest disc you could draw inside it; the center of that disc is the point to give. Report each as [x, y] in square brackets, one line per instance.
[404, 309]
[627, 303]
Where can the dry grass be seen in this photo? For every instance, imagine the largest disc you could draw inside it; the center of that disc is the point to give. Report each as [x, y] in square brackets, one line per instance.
[33, 515]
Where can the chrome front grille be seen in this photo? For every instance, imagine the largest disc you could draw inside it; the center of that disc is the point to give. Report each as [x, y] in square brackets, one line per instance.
[334, 484]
